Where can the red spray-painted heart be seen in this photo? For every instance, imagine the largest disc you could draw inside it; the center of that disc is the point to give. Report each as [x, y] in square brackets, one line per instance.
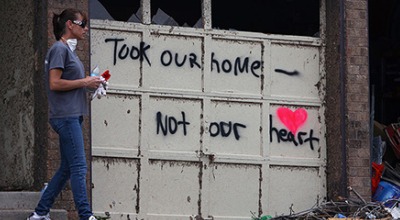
[292, 119]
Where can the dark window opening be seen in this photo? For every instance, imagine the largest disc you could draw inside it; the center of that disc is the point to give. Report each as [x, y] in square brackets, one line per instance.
[384, 70]
[184, 13]
[288, 17]
[384, 55]
[118, 10]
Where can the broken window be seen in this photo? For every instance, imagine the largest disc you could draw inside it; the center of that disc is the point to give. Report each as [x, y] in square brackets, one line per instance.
[288, 17]
[184, 13]
[118, 10]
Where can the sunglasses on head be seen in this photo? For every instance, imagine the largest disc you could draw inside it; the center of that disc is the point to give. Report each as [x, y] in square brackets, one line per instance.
[82, 24]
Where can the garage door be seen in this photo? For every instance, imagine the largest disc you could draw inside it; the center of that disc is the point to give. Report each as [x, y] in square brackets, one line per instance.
[206, 125]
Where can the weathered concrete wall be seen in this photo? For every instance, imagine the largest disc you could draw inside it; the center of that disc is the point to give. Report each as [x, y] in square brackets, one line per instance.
[335, 158]
[17, 133]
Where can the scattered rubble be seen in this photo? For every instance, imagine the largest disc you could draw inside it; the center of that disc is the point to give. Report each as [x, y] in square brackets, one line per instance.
[341, 209]
[345, 209]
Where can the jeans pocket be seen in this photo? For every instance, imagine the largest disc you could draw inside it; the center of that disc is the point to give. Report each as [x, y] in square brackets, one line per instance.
[56, 123]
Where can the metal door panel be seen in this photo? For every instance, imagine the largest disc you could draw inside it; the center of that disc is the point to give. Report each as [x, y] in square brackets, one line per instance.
[295, 71]
[174, 188]
[235, 66]
[301, 184]
[176, 63]
[118, 52]
[233, 128]
[234, 190]
[176, 124]
[123, 117]
[115, 186]
[295, 138]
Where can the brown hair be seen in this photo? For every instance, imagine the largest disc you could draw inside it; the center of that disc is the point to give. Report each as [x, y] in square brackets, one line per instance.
[60, 19]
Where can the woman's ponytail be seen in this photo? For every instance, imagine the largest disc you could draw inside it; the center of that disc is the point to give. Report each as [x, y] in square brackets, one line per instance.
[57, 29]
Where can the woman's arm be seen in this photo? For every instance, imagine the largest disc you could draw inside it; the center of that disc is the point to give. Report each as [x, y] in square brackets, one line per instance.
[58, 84]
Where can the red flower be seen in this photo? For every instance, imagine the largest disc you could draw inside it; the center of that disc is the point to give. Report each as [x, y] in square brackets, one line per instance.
[106, 75]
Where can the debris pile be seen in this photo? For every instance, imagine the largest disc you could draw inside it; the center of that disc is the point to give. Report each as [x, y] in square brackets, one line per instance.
[341, 209]
[346, 208]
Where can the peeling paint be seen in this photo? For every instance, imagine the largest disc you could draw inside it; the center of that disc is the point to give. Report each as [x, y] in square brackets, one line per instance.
[199, 202]
[260, 193]
[294, 168]
[139, 169]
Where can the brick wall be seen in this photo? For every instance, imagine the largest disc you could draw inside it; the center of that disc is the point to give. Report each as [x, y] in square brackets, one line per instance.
[357, 96]
[348, 143]
[65, 199]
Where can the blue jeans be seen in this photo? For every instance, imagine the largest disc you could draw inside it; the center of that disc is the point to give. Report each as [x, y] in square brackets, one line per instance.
[72, 166]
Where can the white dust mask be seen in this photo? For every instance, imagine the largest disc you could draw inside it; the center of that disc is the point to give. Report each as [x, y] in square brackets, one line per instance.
[72, 44]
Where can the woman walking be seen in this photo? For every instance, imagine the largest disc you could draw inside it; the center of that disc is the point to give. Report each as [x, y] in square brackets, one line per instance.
[66, 89]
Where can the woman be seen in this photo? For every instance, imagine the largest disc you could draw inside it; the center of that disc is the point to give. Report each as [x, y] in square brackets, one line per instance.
[66, 88]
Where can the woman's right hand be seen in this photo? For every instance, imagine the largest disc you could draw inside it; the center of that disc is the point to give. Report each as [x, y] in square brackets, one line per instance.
[92, 82]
